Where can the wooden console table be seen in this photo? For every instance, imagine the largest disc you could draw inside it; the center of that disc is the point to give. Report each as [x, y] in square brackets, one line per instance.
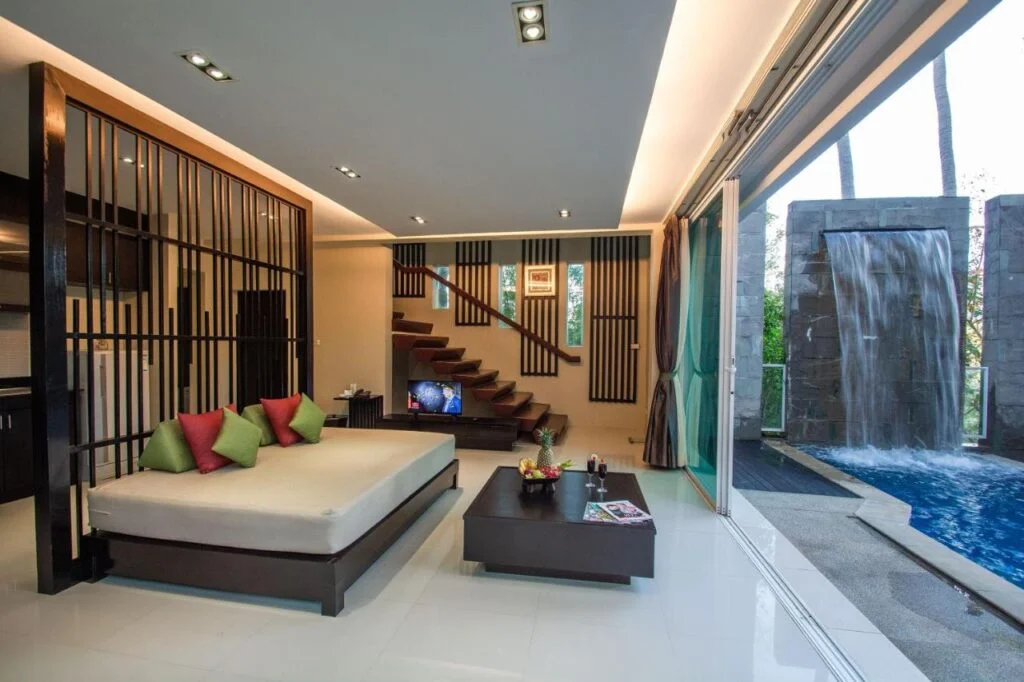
[363, 411]
[481, 433]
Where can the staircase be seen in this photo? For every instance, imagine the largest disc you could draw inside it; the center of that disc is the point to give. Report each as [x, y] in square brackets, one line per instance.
[505, 400]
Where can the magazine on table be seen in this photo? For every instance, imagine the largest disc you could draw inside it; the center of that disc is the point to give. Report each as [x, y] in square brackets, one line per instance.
[594, 513]
[618, 512]
[624, 511]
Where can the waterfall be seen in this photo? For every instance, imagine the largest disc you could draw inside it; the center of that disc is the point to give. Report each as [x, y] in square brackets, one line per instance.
[899, 337]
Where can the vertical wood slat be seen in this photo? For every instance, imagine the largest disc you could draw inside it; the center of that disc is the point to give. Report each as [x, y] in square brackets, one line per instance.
[48, 325]
[473, 273]
[540, 314]
[614, 319]
[405, 284]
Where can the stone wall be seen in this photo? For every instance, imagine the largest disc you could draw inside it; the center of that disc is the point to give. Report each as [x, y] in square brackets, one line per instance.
[814, 409]
[749, 325]
[1003, 345]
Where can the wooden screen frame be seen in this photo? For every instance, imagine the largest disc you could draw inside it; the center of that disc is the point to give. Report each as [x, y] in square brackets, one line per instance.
[50, 90]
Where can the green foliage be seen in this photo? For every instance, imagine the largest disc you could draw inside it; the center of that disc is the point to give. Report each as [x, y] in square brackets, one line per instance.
[574, 305]
[507, 292]
[774, 346]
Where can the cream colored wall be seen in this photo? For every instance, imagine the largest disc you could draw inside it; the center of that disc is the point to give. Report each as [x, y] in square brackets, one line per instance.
[498, 347]
[351, 320]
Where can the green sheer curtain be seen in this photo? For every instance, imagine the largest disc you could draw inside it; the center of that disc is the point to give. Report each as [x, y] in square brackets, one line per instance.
[700, 359]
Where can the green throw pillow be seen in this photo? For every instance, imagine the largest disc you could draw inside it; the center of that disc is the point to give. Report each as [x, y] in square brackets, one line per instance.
[256, 415]
[167, 449]
[308, 421]
[239, 440]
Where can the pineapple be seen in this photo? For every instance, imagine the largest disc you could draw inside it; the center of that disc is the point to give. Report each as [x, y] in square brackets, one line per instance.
[547, 439]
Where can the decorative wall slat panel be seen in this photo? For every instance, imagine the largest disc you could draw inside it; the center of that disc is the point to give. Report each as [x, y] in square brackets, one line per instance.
[473, 273]
[540, 314]
[614, 318]
[409, 284]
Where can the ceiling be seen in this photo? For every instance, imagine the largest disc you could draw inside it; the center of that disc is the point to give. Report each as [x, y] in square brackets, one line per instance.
[435, 104]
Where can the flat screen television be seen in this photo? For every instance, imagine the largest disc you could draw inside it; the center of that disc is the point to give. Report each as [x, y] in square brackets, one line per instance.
[435, 397]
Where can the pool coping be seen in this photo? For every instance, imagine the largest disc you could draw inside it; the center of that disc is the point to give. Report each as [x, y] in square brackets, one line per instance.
[890, 516]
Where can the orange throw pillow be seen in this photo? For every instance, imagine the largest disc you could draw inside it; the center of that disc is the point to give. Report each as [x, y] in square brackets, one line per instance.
[280, 411]
[201, 431]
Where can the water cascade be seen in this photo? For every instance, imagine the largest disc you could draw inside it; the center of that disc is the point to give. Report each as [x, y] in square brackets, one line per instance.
[899, 337]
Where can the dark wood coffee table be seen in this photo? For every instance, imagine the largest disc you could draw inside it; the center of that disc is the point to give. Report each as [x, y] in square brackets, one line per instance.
[536, 534]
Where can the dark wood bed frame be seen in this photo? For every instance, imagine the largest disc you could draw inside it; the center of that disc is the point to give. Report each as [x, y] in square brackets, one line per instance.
[316, 577]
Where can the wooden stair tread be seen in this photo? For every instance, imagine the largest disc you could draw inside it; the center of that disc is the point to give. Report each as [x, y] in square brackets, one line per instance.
[428, 354]
[530, 415]
[452, 366]
[411, 326]
[510, 403]
[475, 378]
[493, 389]
[555, 422]
[408, 341]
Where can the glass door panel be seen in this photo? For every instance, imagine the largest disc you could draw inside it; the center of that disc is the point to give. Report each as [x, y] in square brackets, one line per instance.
[700, 365]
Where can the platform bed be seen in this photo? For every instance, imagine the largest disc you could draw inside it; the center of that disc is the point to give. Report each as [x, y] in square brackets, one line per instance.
[304, 523]
[315, 577]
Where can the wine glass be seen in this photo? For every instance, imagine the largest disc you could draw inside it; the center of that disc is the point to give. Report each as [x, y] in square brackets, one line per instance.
[591, 466]
[602, 471]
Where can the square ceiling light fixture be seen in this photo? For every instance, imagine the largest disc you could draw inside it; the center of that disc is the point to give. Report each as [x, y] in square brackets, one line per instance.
[206, 65]
[531, 22]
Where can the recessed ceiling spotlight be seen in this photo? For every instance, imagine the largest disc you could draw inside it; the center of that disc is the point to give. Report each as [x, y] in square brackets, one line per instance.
[129, 160]
[215, 73]
[530, 14]
[530, 21]
[204, 64]
[348, 172]
[418, 219]
[564, 213]
[533, 32]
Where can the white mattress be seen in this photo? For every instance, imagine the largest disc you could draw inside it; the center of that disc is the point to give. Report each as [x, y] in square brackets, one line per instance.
[309, 498]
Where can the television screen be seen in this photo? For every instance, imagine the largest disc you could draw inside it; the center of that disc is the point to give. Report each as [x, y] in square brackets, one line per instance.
[435, 397]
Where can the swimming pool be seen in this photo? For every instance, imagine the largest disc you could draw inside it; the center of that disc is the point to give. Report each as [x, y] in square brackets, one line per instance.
[971, 503]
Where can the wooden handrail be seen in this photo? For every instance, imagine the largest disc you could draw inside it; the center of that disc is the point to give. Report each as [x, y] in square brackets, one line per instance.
[473, 300]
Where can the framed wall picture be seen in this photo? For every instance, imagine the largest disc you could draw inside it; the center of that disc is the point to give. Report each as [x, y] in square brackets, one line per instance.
[539, 280]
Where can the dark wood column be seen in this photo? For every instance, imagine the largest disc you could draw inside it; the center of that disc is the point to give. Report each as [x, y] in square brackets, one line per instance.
[48, 279]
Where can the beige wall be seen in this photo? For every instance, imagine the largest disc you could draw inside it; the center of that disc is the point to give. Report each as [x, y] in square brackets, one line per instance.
[351, 320]
[498, 347]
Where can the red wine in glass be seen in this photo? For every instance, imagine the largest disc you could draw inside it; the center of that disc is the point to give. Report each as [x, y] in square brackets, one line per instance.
[602, 471]
[591, 465]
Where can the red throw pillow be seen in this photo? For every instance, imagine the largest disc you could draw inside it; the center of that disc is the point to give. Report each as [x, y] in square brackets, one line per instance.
[201, 431]
[280, 411]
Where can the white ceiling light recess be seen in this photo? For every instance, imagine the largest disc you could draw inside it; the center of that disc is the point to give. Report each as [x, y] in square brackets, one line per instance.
[531, 22]
[206, 65]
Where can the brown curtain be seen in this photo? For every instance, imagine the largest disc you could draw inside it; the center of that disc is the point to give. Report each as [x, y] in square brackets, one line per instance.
[661, 448]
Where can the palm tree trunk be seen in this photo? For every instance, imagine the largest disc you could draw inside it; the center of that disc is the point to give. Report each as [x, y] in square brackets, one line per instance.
[846, 167]
[946, 158]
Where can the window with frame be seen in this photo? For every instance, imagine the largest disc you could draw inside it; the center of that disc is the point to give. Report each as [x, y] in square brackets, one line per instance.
[574, 304]
[440, 295]
[507, 275]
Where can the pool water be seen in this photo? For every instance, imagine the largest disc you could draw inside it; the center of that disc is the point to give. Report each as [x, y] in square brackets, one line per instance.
[971, 503]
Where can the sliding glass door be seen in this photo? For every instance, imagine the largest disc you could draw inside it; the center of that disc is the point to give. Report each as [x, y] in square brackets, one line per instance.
[708, 347]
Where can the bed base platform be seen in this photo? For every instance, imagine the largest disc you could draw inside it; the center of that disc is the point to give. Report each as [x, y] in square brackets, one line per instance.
[314, 577]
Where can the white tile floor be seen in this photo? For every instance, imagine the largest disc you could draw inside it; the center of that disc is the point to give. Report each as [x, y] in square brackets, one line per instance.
[421, 613]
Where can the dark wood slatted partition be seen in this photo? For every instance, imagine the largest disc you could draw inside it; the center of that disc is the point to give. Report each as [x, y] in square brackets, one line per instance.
[614, 318]
[410, 284]
[540, 314]
[473, 273]
[185, 285]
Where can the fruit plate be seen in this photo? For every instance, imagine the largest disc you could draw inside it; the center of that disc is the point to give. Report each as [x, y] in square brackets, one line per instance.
[545, 485]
